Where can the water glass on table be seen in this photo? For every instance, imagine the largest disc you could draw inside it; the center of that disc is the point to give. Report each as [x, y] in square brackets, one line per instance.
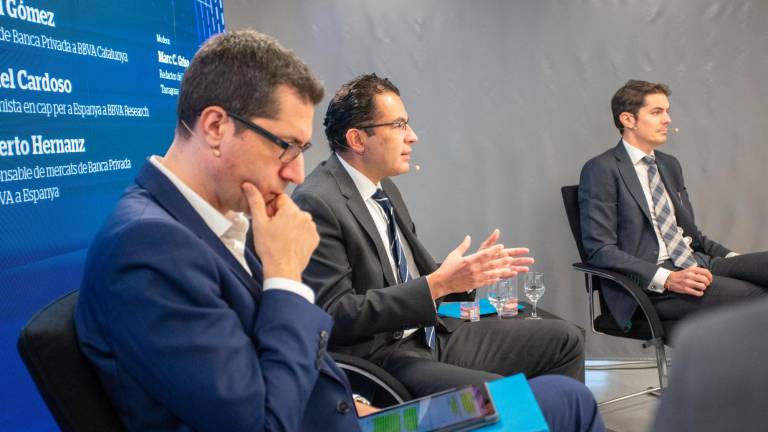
[502, 295]
[534, 289]
[469, 310]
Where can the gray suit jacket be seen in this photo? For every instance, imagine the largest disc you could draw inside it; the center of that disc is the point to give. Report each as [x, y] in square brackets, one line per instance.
[616, 226]
[719, 379]
[350, 271]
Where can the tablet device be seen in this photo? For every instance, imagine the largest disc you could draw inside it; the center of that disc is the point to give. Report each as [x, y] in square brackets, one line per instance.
[453, 410]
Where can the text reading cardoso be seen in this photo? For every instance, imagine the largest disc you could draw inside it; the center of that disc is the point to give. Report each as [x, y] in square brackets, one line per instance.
[23, 80]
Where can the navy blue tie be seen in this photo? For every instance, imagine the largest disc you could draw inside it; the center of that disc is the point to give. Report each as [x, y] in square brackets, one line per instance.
[398, 254]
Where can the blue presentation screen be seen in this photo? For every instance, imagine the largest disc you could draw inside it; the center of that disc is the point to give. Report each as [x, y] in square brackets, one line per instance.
[88, 90]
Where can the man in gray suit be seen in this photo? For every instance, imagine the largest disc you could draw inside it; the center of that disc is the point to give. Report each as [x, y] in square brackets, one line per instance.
[379, 282]
[719, 379]
[636, 218]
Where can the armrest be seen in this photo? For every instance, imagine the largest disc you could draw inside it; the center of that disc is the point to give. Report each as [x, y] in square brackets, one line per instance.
[640, 296]
[373, 376]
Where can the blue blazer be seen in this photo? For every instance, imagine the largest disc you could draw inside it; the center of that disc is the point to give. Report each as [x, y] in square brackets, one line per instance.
[616, 226]
[183, 338]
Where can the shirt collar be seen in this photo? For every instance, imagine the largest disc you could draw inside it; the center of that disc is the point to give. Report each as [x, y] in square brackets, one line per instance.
[635, 154]
[363, 184]
[217, 222]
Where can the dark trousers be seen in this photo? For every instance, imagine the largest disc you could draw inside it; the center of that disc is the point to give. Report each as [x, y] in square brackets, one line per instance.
[736, 279]
[492, 348]
[486, 350]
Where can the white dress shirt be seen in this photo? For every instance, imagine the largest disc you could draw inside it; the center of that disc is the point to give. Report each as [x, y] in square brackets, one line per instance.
[367, 188]
[231, 228]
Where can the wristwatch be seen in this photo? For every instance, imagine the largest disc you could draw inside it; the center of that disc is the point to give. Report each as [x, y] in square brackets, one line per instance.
[360, 399]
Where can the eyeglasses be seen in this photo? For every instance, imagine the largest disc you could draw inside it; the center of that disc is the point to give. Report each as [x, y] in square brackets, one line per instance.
[397, 124]
[290, 151]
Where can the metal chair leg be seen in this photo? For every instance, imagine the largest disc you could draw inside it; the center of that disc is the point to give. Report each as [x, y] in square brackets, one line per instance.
[661, 360]
[649, 390]
[661, 367]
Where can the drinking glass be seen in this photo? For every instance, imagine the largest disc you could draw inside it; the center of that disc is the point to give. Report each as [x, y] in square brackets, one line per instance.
[469, 310]
[534, 290]
[495, 296]
[503, 296]
[509, 307]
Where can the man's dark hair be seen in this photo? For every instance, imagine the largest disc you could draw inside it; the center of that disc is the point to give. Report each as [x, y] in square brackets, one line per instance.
[239, 72]
[630, 98]
[353, 106]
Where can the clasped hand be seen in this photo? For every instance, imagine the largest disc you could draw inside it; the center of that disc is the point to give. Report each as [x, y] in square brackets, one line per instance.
[691, 281]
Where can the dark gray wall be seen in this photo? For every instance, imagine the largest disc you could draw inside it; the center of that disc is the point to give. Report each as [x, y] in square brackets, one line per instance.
[510, 98]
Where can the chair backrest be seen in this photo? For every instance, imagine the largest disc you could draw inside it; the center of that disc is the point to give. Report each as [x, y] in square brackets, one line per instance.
[571, 203]
[65, 378]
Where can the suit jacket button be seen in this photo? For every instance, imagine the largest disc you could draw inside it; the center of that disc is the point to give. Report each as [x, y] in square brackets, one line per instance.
[343, 407]
[323, 335]
[397, 335]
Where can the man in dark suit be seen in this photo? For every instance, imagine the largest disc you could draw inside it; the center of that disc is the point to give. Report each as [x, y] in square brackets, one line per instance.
[719, 379]
[382, 286]
[636, 218]
[187, 329]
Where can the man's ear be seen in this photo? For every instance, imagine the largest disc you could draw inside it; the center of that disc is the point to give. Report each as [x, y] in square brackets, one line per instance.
[627, 120]
[356, 140]
[214, 125]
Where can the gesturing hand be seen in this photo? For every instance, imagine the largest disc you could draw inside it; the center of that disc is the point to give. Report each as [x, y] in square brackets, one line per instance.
[519, 264]
[284, 241]
[460, 273]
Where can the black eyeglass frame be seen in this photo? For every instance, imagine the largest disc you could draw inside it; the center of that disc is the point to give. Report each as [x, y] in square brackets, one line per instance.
[290, 151]
[392, 123]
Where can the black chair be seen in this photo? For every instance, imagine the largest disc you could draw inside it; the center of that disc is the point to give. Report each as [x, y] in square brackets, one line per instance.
[646, 324]
[371, 381]
[66, 380]
[73, 393]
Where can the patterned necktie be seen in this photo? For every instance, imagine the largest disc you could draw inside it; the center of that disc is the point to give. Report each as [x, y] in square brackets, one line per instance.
[678, 249]
[403, 275]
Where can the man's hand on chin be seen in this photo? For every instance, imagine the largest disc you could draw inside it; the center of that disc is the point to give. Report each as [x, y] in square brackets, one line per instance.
[284, 241]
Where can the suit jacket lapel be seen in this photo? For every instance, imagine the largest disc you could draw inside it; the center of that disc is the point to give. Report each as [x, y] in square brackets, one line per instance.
[169, 197]
[359, 210]
[254, 264]
[629, 176]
